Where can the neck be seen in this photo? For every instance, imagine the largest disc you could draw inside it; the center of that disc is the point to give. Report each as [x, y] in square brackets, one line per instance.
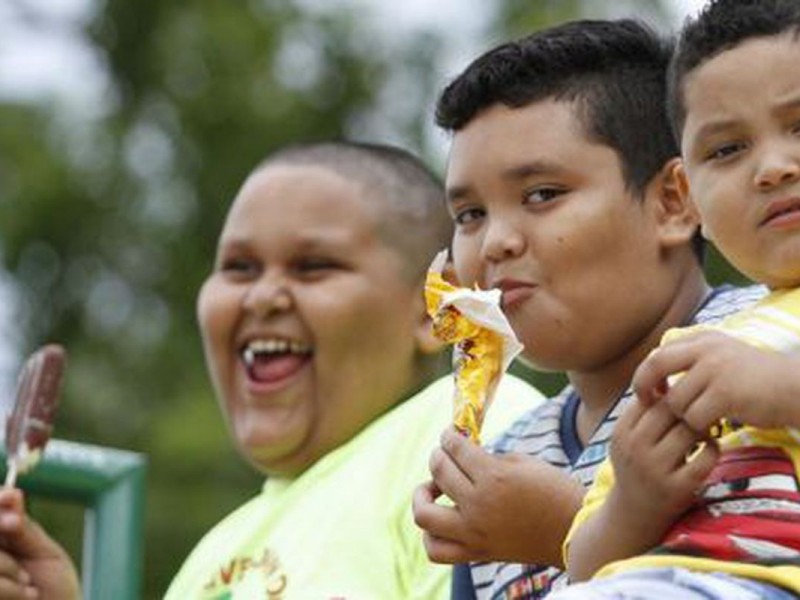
[599, 388]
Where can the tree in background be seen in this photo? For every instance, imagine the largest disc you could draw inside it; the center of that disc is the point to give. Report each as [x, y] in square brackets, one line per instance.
[108, 226]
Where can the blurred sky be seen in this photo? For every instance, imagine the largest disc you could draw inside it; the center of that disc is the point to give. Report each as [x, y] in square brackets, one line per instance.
[42, 57]
[41, 52]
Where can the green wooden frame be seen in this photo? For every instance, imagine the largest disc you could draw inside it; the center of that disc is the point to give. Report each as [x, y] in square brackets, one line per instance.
[110, 484]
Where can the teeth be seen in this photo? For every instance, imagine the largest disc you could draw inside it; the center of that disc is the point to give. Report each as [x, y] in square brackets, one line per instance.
[249, 357]
[272, 346]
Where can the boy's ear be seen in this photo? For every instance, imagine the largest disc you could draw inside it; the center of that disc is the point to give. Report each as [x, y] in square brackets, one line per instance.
[427, 343]
[677, 218]
[682, 181]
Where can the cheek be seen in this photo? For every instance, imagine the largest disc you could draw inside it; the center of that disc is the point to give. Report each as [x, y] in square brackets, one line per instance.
[466, 260]
[716, 228]
[368, 320]
[583, 250]
[341, 322]
[216, 314]
[707, 196]
[206, 308]
[369, 328]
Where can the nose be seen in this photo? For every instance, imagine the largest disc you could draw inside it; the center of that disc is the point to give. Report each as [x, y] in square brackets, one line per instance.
[503, 240]
[267, 296]
[776, 168]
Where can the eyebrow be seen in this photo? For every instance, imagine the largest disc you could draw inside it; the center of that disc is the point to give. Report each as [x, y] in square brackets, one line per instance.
[511, 174]
[723, 125]
[789, 104]
[713, 127]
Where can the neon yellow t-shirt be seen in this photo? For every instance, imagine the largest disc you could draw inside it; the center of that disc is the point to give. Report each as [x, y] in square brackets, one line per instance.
[746, 521]
[344, 528]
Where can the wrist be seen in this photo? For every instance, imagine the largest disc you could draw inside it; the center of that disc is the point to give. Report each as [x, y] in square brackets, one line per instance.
[641, 522]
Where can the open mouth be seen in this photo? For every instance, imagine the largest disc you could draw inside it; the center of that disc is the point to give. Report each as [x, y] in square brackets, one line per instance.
[273, 359]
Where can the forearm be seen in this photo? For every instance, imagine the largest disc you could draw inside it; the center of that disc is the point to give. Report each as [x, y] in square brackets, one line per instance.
[607, 536]
[789, 390]
[563, 502]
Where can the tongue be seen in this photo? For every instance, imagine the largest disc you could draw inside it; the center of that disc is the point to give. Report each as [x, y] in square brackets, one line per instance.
[275, 367]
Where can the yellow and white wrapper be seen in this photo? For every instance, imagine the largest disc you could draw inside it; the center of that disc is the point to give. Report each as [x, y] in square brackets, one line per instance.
[483, 343]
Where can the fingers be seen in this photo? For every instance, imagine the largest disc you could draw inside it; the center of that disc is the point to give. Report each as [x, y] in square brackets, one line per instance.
[435, 518]
[630, 416]
[427, 493]
[698, 468]
[650, 379]
[444, 551]
[447, 476]
[677, 443]
[11, 499]
[656, 443]
[12, 507]
[439, 523]
[466, 456]
[456, 464]
[684, 393]
[693, 362]
[639, 430]
[26, 539]
[12, 517]
[14, 581]
[649, 383]
[655, 423]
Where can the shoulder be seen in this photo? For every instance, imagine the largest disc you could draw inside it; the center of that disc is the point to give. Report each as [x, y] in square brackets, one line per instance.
[513, 399]
[535, 429]
[390, 456]
[727, 300]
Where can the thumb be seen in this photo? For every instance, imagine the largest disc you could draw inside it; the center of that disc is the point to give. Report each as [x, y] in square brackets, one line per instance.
[468, 457]
[33, 542]
[21, 535]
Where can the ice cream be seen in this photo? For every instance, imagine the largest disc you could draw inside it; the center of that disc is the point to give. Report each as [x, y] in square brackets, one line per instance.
[30, 424]
[483, 343]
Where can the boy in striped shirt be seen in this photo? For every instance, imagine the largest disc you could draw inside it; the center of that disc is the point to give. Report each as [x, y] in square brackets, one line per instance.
[561, 184]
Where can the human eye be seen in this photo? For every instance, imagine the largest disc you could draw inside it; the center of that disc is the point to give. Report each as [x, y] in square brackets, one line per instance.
[316, 266]
[238, 266]
[723, 151]
[468, 215]
[540, 195]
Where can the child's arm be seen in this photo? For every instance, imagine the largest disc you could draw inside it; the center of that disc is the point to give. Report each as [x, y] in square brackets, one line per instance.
[654, 485]
[723, 377]
[507, 507]
[31, 564]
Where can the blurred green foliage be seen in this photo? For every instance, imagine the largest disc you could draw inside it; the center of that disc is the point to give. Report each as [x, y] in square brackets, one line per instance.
[108, 224]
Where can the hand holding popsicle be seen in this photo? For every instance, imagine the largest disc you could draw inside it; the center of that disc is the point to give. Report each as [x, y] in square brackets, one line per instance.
[29, 426]
[32, 565]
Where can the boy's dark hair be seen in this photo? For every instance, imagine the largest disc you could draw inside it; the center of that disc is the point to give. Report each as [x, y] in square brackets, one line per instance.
[414, 221]
[614, 71]
[720, 26]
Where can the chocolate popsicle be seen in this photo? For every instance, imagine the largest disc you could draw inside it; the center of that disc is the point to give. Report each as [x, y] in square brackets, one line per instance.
[30, 424]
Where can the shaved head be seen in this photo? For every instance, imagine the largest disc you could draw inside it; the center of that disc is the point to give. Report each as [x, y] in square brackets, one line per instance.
[407, 198]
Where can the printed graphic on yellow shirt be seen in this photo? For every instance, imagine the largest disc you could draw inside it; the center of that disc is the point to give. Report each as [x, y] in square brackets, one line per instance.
[262, 566]
[749, 511]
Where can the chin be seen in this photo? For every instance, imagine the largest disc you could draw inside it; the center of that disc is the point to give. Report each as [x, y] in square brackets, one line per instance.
[267, 463]
[281, 455]
[538, 364]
